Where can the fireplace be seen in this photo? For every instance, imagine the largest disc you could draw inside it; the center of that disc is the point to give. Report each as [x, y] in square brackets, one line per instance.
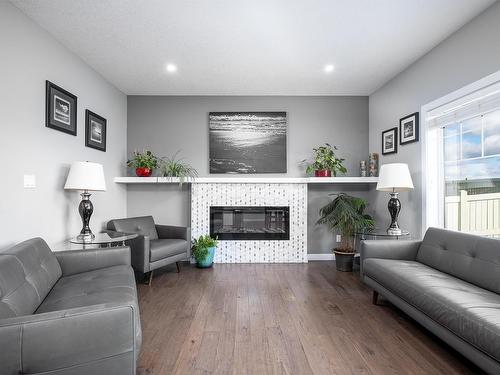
[250, 222]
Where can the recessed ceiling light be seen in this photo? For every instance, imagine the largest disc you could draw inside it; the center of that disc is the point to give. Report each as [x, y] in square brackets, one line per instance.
[171, 68]
[329, 68]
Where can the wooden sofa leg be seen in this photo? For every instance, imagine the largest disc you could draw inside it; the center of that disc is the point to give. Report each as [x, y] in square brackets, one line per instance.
[178, 267]
[374, 297]
[150, 278]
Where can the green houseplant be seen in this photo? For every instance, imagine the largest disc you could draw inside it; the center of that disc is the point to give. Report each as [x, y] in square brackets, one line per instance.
[345, 214]
[203, 251]
[326, 162]
[143, 162]
[176, 167]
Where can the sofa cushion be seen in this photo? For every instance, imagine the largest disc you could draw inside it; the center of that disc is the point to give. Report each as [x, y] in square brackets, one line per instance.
[28, 271]
[107, 285]
[164, 248]
[142, 225]
[469, 311]
[469, 257]
[113, 284]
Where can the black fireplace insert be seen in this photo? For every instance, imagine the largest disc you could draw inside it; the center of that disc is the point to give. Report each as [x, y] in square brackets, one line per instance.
[250, 222]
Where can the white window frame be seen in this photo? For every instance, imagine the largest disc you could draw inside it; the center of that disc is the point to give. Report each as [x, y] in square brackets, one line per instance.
[432, 153]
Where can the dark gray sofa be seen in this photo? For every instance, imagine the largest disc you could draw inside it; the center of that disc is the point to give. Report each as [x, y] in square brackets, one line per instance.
[70, 312]
[449, 282]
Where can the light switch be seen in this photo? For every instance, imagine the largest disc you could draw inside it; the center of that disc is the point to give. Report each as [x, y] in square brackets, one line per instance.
[339, 238]
[29, 181]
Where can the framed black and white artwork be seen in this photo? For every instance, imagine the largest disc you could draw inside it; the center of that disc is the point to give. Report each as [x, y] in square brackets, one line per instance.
[390, 141]
[408, 129]
[247, 142]
[60, 109]
[95, 131]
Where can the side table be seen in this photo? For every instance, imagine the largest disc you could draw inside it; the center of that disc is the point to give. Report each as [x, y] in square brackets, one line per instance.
[101, 240]
[378, 234]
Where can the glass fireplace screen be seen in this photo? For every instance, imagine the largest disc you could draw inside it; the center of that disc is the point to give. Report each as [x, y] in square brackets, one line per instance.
[250, 223]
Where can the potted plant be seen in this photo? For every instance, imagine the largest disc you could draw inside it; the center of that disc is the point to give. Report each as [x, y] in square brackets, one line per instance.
[143, 162]
[176, 167]
[345, 214]
[325, 162]
[203, 251]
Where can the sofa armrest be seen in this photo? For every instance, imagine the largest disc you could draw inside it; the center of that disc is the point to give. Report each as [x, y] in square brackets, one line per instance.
[388, 249]
[78, 261]
[82, 340]
[170, 231]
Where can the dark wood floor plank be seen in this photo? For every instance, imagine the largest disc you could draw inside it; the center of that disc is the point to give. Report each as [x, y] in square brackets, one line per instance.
[281, 319]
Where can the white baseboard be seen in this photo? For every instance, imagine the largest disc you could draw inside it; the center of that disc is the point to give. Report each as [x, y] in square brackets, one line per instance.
[320, 257]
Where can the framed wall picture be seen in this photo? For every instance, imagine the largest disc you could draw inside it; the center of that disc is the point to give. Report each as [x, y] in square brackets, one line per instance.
[408, 129]
[390, 141]
[247, 142]
[60, 109]
[95, 131]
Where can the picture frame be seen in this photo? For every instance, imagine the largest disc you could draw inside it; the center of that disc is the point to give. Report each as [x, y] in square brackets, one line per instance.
[409, 129]
[60, 109]
[247, 142]
[95, 131]
[390, 141]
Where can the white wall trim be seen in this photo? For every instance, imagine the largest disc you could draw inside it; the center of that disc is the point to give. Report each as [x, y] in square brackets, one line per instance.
[320, 257]
[428, 165]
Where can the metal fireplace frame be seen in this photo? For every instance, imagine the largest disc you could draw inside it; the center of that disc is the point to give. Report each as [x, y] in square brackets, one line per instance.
[250, 236]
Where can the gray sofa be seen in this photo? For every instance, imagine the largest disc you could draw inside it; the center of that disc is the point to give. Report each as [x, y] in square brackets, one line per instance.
[449, 282]
[157, 245]
[70, 312]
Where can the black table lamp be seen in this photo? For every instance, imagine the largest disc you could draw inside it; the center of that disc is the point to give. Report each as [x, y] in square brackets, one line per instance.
[85, 176]
[394, 178]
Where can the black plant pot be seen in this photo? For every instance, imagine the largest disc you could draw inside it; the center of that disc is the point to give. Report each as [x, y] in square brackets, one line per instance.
[344, 261]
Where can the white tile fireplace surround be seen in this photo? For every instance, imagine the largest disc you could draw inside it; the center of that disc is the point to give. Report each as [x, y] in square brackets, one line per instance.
[293, 195]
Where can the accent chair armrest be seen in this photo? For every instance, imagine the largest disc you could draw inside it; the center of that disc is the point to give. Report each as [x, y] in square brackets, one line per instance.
[81, 340]
[139, 249]
[170, 231]
[78, 261]
[388, 249]
[140, 252]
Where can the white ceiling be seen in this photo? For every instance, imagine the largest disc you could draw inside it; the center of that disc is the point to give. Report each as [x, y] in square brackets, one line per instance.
[250, 47]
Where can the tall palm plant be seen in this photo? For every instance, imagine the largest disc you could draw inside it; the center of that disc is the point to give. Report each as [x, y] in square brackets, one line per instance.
[346, 214]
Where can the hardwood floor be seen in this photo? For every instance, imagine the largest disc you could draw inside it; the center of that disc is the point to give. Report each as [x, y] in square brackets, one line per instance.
[281, 319]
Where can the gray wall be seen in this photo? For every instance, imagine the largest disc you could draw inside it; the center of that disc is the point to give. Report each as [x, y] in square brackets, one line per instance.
[166, 124]
[29, 57]
[466, 56]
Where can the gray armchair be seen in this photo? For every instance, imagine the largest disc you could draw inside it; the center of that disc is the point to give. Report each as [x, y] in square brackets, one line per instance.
[157, 245]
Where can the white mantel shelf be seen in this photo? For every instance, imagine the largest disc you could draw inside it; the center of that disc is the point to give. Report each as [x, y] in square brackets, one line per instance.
[248, 180]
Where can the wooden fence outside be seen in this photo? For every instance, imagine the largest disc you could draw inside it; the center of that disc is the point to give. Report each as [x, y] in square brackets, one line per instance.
[478, 214]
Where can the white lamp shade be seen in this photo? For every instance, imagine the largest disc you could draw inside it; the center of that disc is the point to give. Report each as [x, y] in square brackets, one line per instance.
[85, 175]
[394, 177]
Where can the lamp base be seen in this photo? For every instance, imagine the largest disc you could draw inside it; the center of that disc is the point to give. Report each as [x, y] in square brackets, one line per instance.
[394, 231]
[85, 209]
[394, 206]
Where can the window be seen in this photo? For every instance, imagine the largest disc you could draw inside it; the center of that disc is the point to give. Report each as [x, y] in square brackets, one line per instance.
[462, 163]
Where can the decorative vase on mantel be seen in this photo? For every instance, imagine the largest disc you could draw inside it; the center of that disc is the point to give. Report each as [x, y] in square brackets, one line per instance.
[325, 162]
[143, 162]
[143, 172]
[323, 173]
